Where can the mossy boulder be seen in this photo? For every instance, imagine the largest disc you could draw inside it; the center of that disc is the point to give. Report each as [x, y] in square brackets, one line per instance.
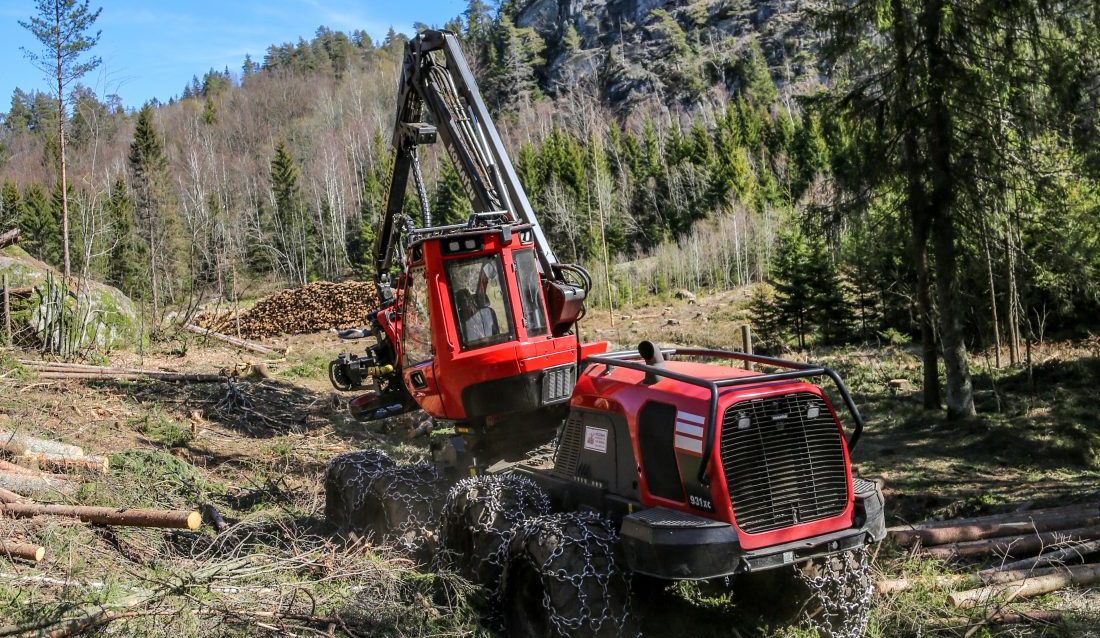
[90, 315]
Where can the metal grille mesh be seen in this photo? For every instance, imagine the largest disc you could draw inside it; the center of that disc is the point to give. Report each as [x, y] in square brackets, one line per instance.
[557, 383]
[784, 462]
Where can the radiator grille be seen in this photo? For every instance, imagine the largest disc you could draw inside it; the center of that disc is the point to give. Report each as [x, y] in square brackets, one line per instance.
[569, 446]
[557, 383]
[784, 462]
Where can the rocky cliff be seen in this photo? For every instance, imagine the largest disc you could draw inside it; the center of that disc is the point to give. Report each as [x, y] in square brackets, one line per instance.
[671, 50]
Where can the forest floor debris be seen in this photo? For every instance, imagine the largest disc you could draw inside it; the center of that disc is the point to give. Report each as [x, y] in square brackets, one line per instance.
[253, 450]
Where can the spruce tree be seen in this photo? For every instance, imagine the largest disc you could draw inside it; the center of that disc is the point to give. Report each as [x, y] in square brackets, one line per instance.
[40, 236]
[125, 258]
[148, 166]
[293, 232]
[450, 203]
[10, 205]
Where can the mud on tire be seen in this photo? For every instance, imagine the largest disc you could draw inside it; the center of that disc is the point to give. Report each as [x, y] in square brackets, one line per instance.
[480, 517]
[561, 578]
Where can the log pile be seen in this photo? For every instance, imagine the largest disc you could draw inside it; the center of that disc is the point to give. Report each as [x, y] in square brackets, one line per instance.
[1044, 540]
[315, 307]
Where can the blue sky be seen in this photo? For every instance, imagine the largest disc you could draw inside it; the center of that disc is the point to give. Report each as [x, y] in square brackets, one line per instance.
[152, 48]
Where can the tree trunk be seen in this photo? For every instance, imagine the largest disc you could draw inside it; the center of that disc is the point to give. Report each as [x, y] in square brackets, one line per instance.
[61, 148]
[108, 515]
[915, 198]
[941, 211]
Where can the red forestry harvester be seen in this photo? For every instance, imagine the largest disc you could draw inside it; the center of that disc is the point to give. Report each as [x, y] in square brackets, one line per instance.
[657, 462]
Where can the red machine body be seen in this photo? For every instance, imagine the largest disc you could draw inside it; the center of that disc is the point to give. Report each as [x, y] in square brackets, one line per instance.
[623, 392]
[514, 363]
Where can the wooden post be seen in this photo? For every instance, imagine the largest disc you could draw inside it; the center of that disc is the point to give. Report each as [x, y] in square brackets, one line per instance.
[746, 344]
[7, 312]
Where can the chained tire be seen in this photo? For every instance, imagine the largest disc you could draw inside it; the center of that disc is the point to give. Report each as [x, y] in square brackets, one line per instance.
[831, 594]
[561, 579]
[347, 480]
[402, 507]
[480, 517]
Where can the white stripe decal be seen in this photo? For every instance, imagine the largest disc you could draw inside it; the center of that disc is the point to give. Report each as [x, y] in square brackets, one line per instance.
[689, 417]
[690, 430]
[689, 444]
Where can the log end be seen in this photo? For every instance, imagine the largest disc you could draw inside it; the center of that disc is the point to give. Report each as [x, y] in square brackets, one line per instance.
[39, 553]
[194, 519]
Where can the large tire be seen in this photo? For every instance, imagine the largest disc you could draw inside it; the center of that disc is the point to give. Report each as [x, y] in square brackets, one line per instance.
[347, 480]
[831, 594]
[402, 507]
[480, 517]
[562, 580]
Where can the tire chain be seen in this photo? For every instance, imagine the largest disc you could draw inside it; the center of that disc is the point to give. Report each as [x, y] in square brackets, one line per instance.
[374, 473]
[416, 488]
[844, 595]
[597, 533]
[506, 499]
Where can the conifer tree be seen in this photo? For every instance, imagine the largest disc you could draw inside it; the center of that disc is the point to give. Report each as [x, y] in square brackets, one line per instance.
[39, 226]
[63, 28]
[293, 233]
[147, 173]
[125, 258]
[10, 205]
[450, 203]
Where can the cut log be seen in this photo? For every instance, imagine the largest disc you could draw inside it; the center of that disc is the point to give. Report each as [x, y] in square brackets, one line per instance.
[130, 376]
[36, 486]
[1074, 552]
[993, 578]
[895, 585]
[13, 468]
[980, 531]
[898, 532]
[1026, 588]
[240, 343]
[10, 237]
[1022, 545]
[64, 463]
[11, 549]
[7, 496]
[13, 441]
[214, 518]
[108, 515]
[1024, 617]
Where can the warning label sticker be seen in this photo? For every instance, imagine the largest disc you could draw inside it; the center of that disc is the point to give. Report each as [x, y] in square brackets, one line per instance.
[595, 439]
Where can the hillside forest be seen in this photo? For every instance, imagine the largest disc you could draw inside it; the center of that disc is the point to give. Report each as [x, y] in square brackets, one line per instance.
[876, 171]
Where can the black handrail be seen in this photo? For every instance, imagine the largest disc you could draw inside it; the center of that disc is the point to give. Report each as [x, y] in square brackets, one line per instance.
[797, 370]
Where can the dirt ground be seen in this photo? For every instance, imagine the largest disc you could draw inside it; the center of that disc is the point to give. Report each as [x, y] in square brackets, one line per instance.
[255, 449]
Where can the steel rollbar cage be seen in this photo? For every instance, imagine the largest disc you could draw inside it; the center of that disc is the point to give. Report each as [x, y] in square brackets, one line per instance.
[796, 370]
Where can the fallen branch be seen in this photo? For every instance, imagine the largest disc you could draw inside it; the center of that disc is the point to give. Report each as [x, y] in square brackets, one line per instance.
[214, 518]
[10, 237]
[240, 343]
[1027, 587]
[35, 486]
[1022, 545]
[1071, 553]
[1022, 617]
[11, 549]
[108, 515]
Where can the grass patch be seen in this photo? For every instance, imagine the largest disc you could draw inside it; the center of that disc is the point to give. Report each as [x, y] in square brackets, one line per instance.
[315, 367]
[160, 428]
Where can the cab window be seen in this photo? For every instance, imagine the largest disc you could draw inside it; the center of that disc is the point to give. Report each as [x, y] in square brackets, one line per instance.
[417, 327]
[481, 306]
[530, 292]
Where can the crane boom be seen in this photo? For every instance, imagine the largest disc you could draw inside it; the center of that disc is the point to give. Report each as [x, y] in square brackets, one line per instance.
[437, 81]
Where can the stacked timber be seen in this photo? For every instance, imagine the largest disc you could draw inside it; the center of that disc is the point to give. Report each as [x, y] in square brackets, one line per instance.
[315, 307]
[1044, 541]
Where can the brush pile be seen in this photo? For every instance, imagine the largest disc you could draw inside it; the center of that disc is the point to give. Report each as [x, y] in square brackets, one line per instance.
[315, 307]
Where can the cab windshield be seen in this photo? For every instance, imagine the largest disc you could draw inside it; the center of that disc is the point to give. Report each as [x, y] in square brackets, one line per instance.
[481, 305]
